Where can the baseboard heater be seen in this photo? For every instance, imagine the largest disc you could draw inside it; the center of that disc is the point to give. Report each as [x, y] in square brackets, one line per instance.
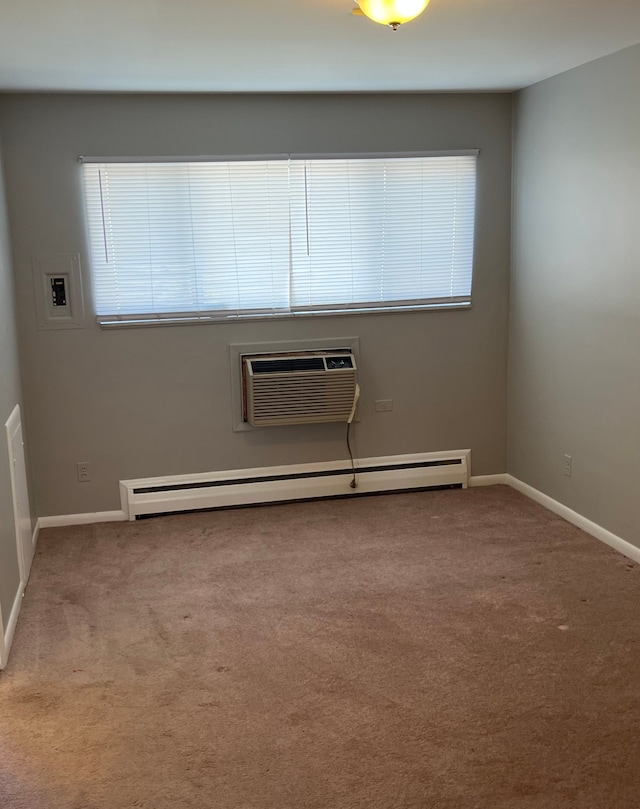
[241, 487]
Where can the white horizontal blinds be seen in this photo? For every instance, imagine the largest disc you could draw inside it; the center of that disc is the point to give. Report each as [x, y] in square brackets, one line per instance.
[449, 208]
[370, 233]
[241, 234]
[189, 237]
[337, 244]
[266, 236]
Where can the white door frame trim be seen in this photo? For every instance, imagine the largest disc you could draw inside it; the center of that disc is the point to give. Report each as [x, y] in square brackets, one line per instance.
[13, 423]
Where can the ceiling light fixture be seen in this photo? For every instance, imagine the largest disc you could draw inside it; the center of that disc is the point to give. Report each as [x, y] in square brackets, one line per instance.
[392, 12]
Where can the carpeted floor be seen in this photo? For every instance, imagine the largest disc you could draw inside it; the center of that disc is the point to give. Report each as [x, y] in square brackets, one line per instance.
[439, 650]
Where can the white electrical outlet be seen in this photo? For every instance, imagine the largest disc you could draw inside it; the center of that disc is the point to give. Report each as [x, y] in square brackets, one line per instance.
[384, 405]
[84, 472]
[568, 461]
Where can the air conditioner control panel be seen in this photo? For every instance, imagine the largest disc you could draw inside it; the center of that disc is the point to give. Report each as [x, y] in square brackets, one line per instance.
[339, 362]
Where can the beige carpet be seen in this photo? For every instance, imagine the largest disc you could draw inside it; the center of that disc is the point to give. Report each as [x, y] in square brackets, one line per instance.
[440, 650]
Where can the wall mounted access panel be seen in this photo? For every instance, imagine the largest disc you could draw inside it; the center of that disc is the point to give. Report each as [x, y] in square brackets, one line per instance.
[57, 284]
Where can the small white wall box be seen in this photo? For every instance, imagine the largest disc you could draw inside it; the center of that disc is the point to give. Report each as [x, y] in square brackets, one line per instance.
[57, 285]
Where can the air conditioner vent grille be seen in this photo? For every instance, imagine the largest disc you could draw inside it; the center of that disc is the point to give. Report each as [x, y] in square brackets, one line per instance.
[299, 389]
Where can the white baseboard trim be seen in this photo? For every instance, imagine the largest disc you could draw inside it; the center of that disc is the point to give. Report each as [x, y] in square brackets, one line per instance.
[592, 528]
[7, 640]
[63, 520]
[274, 484]
[488, 480]
[597, 531]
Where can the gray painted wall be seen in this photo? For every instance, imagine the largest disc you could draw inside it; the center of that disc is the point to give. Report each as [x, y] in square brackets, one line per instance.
[575, 300]
[156, 401]
[9, 397]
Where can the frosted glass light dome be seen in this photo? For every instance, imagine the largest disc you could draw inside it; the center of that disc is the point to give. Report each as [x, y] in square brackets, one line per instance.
[392, 12]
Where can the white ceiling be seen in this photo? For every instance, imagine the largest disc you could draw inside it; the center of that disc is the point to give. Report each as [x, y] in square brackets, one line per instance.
[301, 45]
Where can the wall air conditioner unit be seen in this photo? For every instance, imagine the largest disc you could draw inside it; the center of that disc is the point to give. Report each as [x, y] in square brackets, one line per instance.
[303, 388]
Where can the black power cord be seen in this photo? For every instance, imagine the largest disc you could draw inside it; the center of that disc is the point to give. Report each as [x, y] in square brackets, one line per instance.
[356, 396]
[353, 483]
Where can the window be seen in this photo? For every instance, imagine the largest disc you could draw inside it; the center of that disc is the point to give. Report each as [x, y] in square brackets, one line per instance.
[221, 239]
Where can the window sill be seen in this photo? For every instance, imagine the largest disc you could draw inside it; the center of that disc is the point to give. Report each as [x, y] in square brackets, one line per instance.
[132, 322]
